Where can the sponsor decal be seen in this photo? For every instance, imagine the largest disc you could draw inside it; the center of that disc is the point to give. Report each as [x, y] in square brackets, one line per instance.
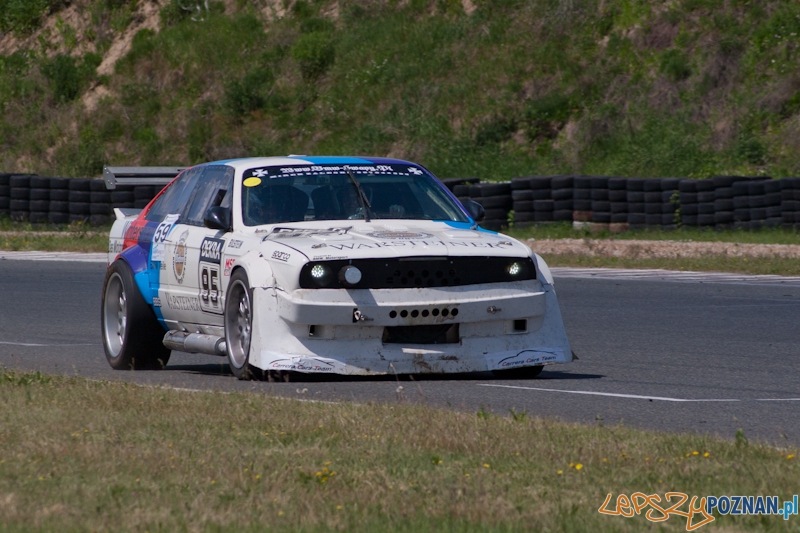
[229, 266]
[260, 173]
[211, 250]
[156, 301]
[530, 357]
[320, 245]
[289, 233]
[415, 171]
[183, 303]
[160, 237]
[281, 256]
[235, 243]
[328, 257]
[252, 182]
[179, 257]
[414, 244]
[399, 235]
[305, 365]
[115, 247]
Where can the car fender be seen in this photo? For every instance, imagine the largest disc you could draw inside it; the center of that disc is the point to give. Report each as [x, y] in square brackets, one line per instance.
[544, 270]
[259, 271]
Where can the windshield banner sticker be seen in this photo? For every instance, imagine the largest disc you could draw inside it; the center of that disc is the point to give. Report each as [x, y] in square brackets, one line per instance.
[287, 233]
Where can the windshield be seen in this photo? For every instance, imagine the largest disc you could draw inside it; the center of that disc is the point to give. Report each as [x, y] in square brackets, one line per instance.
[273, 195]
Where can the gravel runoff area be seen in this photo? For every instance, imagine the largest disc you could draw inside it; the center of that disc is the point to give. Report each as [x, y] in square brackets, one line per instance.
[636, 249]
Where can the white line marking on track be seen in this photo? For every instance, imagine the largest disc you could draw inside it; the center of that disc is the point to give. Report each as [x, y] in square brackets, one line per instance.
[631, 274]
[35, 344]
[615, 395]
[73, 257]
[639, 397]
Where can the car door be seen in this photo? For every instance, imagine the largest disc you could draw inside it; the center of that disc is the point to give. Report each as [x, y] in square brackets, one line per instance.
[195, 292]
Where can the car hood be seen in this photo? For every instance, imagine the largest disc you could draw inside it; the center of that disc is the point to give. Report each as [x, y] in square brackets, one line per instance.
[359, 240]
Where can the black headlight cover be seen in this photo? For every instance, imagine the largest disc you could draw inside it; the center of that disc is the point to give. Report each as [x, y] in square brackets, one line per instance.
[420, 272]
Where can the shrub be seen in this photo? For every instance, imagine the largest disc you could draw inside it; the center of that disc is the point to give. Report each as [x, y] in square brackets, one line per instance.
[68, 76]
[675, 65]
[24, 15]
[314, 52]
[496, 130]
[248, 93]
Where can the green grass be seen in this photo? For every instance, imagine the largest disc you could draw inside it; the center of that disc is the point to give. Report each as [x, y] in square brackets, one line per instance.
[518, 87]
[82, 455]
[52, 237]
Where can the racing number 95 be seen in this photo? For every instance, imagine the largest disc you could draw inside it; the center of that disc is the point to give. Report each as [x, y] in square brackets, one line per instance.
[209, 287]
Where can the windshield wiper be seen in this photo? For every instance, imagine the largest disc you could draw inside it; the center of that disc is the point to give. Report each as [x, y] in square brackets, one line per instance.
[363, 200]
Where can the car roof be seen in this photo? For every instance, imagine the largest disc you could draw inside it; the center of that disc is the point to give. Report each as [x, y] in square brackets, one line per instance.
[251, 162]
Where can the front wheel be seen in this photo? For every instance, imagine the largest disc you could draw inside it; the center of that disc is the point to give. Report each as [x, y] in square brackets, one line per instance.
[526, 372]
[239, 325]
[132, 336]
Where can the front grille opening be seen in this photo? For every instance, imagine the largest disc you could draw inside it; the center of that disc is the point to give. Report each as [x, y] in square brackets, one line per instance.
[436, 334]
[312, 330]
[521, 325]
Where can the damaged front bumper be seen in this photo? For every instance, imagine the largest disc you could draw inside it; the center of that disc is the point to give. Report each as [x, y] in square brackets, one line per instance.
[472, 328]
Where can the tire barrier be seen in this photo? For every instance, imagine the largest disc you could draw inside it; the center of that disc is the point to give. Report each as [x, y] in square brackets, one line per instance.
[613, 203]
[41, 199]
[617, 204]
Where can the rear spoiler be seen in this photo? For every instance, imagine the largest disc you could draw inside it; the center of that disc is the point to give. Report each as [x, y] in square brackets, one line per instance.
[114, 176]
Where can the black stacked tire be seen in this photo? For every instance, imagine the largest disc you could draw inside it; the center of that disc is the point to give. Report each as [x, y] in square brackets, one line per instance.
[562, 194]
[772, 203]
[687, 198]
[58, 208]
[39, 199]
[582, 199]
[618, 200]
[80, 197]
[5, 195]
[522, 198]
[601, 207]
[635, 197]
[790, 201]
[19, 197]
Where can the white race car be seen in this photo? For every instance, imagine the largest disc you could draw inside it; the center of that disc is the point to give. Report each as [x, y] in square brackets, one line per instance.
[337, 265]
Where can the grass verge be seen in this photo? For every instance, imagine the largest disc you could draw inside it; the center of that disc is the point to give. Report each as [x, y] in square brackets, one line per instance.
[567, 231]
[81, 455]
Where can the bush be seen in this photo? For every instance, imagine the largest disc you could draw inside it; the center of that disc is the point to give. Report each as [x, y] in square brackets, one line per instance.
[68, 77]
[24, 15]
[248, 93]
[496, 130]
[314, 52]
[675, 65]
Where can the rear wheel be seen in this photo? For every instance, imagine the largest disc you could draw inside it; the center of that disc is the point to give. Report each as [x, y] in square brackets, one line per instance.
[239, 325]
[526, 372]
[132, 334]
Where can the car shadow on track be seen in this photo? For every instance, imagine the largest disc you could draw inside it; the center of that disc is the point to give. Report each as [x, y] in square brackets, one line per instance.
[222, 369]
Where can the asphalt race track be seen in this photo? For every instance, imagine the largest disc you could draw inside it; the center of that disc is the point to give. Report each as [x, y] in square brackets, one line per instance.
[702, 354]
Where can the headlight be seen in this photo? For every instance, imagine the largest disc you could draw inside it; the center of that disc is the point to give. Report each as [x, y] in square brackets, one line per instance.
[318, 271]
[349, 275]
[515, 268]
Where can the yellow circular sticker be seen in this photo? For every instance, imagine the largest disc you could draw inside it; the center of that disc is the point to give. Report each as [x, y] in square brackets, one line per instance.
[252, 182]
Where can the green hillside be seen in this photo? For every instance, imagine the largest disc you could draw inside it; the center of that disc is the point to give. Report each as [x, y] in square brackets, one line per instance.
[482, 88]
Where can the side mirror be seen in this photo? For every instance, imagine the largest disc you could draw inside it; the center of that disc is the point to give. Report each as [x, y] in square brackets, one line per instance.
[218, 217]
[475, 210]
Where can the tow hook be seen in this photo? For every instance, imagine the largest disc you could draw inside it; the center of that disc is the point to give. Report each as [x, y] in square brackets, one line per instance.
[358, 316]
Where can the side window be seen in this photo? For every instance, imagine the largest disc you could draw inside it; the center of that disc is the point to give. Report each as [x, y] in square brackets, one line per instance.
[214, 187]
[176, 197]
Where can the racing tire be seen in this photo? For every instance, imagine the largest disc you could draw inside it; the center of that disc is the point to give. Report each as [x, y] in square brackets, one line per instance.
[526, 372]
[132, 335]
[239, 325]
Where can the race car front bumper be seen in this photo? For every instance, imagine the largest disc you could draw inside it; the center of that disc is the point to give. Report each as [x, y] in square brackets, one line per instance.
[408, 331]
